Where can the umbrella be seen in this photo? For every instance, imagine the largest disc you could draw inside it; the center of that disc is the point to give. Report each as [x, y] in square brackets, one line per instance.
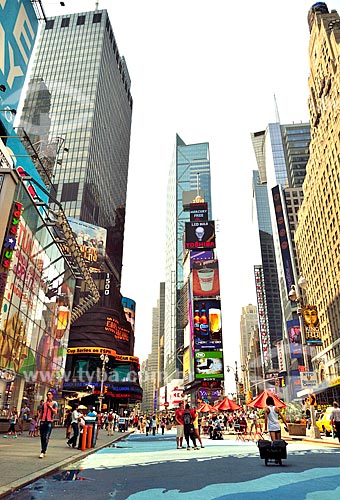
[68, 407]
[260, 400]
[82, 407]
[227, 404]
[205, 408]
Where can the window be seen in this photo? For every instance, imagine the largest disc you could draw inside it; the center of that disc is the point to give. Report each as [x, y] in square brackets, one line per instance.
[49, 24]
[97, 18]
[65, 22]
[80, 20]
[70, 191]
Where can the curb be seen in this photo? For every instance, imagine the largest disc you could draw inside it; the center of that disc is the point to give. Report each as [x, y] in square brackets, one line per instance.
[21, 483]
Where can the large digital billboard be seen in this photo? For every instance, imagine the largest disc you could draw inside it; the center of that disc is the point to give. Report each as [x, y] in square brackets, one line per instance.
[209, 364]
[206, 280]
[92, 242]
[294, 336]
[207, 324]
[200, 235]
[312, 325]
[18, 30]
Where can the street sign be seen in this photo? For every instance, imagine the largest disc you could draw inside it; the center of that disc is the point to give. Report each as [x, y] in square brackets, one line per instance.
[166, 404]
[308, 380]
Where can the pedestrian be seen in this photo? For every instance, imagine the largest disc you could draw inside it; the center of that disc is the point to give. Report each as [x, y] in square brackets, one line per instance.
[72, 441]
[13, 420]
[162, 424]
[49, 409]
[153, 423]
[180, 425]
[33, 426]
[110, 423]
[147, 425]
[189, 431]
[197, 428]
[23, 417]
[81, 425]
[335, 419]
[67, 423]
[271, 419]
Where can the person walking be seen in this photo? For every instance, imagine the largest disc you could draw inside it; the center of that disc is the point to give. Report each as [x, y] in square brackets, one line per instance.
[13, 420]
[33, 426]
[188, 427]
[180, 425]
[153, 423]
[163, 423]
[23, 417]
[197, 428]
[110, 423]
[335, 419]
[67, 423]
[49, 409]
[74, 423]
[271, 419]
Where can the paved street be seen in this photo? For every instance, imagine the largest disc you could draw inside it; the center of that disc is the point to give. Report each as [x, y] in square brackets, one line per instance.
[151, 468]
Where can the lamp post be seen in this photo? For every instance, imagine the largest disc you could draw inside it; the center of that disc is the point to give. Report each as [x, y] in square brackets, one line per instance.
[105, 360]
[295, 296]
[236, 378]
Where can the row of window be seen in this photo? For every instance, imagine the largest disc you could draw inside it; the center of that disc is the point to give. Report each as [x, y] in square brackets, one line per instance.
[65, 22]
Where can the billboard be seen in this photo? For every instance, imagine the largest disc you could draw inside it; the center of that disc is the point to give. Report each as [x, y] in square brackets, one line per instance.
[265, 342]
[198, 211]
[209, 365]
[200, 255]
[200, 235]
[129, 307]
[283, 237]
[206, 280]
[18, 30]
[294, 337]
[312, 325]
[207, 324]
[91, 240]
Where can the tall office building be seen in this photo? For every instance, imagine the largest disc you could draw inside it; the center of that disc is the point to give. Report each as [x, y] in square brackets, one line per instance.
[189, 175]
[83, 85]
[247, 323]
[282, 152]
[317, 234]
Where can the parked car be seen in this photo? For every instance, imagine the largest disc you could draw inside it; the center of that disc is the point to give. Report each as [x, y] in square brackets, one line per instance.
[324, 421]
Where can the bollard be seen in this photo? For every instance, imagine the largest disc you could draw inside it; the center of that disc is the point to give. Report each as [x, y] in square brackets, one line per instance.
[83, 439]
[89, 435]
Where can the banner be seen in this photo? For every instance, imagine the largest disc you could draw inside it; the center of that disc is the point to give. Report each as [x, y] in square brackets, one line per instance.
[294, 337]
[312, 325]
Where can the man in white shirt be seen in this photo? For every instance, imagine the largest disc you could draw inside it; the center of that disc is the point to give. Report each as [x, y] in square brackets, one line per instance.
[335, 419]
[74, 423]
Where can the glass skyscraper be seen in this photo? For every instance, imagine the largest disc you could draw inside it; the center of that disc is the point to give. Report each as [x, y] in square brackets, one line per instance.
[84, 84]
[189, 175]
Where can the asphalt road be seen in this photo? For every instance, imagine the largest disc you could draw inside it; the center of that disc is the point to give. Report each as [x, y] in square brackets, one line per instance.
[151, 468]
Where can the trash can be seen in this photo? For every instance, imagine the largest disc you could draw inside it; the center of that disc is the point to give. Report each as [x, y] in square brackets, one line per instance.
[93, 423]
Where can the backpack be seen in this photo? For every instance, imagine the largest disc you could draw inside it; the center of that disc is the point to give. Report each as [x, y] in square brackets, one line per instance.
[110, 417]
[187, 418]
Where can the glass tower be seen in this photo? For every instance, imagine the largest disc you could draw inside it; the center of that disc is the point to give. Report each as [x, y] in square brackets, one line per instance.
[189, 174]
[85, 85]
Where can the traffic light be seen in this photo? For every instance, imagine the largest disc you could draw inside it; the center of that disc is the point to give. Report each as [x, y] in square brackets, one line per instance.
[283, 382]
[105, 389]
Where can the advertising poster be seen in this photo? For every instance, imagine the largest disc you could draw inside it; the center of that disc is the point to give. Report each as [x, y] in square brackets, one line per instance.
[200, 255]
[91, 240]
[312, 325]
[129, 307]
[207, 324]
[294, 337]
[206, 280]
[200, 235]
[209, 365]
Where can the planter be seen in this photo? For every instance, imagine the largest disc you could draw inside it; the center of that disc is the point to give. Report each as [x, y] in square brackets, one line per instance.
[297, 429]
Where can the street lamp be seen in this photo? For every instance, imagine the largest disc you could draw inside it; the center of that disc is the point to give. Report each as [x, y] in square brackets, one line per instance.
[295, 296]
[105, 360]
[236, 377]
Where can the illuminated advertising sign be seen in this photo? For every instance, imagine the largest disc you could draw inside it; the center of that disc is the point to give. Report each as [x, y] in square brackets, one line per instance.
[103, 327]
[206, 280]
[91, 240]
[200, 255]
[294, 337]
[18, 30]
[312, 325]
[102, 350]
[283, 238]
[129, 307]
[281, 356]
[198, 211]
[207, 324]
[200, 235]
[262, 318]
[209, 365]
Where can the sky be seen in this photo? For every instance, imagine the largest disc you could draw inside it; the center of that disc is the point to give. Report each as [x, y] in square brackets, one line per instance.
[207, 71]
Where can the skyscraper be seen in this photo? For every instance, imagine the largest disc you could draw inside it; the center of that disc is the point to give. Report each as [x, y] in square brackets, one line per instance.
[87, 89]
[189, 176]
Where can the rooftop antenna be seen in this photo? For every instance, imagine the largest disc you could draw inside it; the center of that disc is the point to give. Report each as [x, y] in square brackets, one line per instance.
[198, 183]
[277, 116]
[96, 5]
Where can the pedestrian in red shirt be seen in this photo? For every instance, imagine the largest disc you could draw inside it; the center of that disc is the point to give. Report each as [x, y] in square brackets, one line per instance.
[180, 425]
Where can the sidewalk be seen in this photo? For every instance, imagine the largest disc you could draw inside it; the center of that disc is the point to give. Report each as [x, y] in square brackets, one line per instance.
[20, 462]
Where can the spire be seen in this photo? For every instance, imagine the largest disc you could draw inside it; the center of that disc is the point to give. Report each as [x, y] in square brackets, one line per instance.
[277, 116]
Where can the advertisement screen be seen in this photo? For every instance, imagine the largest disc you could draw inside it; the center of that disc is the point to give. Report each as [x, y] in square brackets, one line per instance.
[129, 306]
[91, 240]
[209, 364]
[312, 325]
[206, 280]
[199, 235]
[207, 324]
[294, 336]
